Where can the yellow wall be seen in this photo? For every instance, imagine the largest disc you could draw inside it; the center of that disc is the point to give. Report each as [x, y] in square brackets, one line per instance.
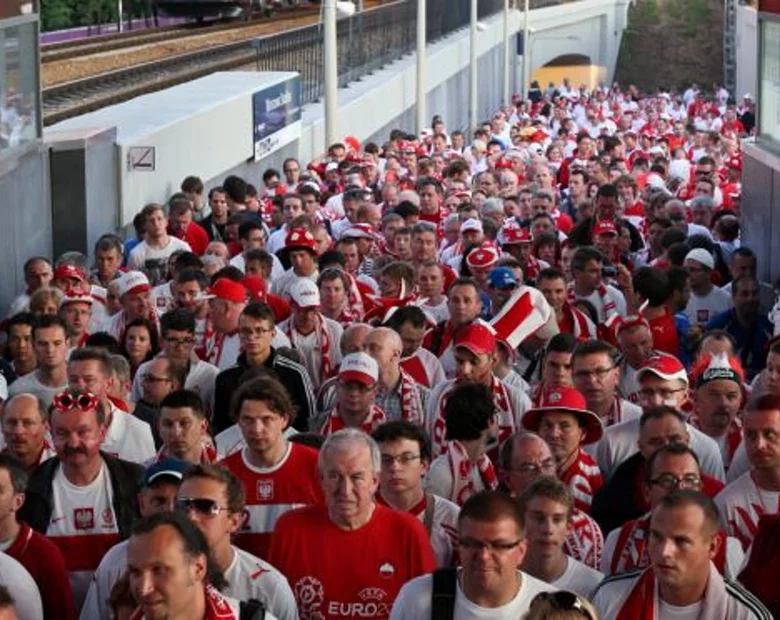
[590, 75]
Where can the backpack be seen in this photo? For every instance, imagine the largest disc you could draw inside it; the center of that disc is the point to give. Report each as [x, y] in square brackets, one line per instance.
[443, 594]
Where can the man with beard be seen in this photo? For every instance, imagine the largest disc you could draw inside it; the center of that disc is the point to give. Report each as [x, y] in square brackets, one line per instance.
[750, 329]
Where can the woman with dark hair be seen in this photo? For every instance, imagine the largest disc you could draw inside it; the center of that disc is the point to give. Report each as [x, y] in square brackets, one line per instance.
[140, 343]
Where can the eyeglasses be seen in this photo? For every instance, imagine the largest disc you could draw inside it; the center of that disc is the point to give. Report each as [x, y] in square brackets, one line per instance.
[598, 373]
[201, 505]
[179, 342]
[66, 401]
[548, 465]
[670, 481]
[493, 546]
[563, 601]
[401, 459]
[648, 393]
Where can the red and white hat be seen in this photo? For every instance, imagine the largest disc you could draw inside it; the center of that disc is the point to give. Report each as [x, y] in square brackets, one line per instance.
[73, 297]
[482, 258]
[359, 231]
[629, 322]
[360, 367]
[300, 239]
[69, 271]
[663, 366]
[478, 337]
[605, 227]
[305, 293]
[712, 367]
[515, 235]
[132, 283]
[471, 224]
[226, 289]
[567, 400]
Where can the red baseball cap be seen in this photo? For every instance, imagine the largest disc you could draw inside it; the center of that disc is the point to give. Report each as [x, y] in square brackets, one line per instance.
[69, 271]
[605, 227]
[477, 337]
[227, 289]
[256, 287]
[663, 366]
[514, 234]
[567, 400]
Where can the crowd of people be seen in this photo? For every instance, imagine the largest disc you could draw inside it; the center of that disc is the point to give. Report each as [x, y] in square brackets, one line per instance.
[519, 372]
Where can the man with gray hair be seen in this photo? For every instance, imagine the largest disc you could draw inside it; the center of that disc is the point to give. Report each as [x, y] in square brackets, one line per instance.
[370, 550]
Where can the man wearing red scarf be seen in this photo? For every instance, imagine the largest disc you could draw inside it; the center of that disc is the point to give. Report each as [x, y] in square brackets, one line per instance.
[356, 391]
[682, 579]
[552, 284]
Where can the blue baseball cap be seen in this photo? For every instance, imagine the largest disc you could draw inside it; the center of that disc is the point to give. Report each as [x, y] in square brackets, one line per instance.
[502, 277]
[168, 467]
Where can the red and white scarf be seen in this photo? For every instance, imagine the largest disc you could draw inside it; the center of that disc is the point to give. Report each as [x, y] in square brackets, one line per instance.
[215, 343]
[642, 601]
[585, 541]
[581, 326]
[415, 367]
[327, 364]
[610, 308]
[583, 477]
[375, 417]
[531, 269]
[631, 547]
[461, 467]
[506, 424]
[218, 607]
[356, 305]
[411, 404]
[208, 454]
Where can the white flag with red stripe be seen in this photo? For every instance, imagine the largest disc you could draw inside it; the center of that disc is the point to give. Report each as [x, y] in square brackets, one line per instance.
[523, 315]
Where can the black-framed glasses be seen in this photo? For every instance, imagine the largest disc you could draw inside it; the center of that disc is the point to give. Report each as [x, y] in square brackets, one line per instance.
[202, 505]
[492, 546]
[563, 600]
[401, 459]
[670, 481]
[598, 373]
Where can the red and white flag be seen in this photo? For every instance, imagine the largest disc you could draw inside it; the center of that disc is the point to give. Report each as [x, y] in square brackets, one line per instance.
[523, 315]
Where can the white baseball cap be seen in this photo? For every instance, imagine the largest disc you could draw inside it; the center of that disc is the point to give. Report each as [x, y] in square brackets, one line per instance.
[700, 255]
[471, 224]
[133, 282]
[360, 367]
[305, 293]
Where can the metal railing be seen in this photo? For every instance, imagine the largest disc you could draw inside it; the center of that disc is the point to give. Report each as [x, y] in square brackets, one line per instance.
[369, 40]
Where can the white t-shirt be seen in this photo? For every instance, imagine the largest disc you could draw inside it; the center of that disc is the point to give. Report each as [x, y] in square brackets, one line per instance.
[281, 286]
[144, 257]
[83, 525]
[21, 587]
[20, 304]
[128, 438]
[578, 578]
[414, 601]
[439, 480]
[107, 574]
[673, 612]
[614, 295]
[440, 312]
[310, 347]
[250, 577]
[29, 384]
[701, 309]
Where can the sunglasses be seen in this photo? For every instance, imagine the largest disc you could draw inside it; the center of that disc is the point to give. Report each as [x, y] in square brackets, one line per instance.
[203, 506]
[564, 601]
[65, 401]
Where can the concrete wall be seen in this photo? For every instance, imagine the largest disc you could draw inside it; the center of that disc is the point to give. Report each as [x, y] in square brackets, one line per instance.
[24, 205]
[760, 218]
[747, 52]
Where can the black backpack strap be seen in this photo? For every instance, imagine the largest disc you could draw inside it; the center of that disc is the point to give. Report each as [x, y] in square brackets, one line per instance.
[251, 610]
[430, 508]
[438, 336]
[443, 594]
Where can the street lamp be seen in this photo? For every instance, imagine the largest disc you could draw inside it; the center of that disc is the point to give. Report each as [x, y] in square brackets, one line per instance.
[332, 11]
[473, 67]
[421, 65]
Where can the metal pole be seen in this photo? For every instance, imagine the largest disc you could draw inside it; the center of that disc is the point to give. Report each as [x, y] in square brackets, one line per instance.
[421, 65]
[506, 53]
[331, 72]
[526, 52]
[119, 14]
[473, 67]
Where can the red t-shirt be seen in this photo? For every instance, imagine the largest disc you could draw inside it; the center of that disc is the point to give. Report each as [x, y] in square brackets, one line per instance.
[665, 337]
[272, 492]
[336, 573]
[197, 238]
[43, 560]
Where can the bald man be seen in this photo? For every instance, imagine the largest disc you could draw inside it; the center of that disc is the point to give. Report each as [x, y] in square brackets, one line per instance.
[524, 457]
[399, 395]
[352, 340]
[25, 426]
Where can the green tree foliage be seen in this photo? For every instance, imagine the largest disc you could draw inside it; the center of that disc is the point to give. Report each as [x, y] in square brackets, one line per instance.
[59, 14]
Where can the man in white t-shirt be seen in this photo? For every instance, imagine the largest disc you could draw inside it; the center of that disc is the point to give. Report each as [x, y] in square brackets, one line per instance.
[706, 300]
[588, 284]
[50, 341]
[151, 255]
[83, 499]
[406, 455]
[22, 589]
[213, 498]
[548, 508]
[489, 521]
[757, 491]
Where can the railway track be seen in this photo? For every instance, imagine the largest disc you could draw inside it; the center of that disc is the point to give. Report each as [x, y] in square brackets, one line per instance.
[68, 49]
